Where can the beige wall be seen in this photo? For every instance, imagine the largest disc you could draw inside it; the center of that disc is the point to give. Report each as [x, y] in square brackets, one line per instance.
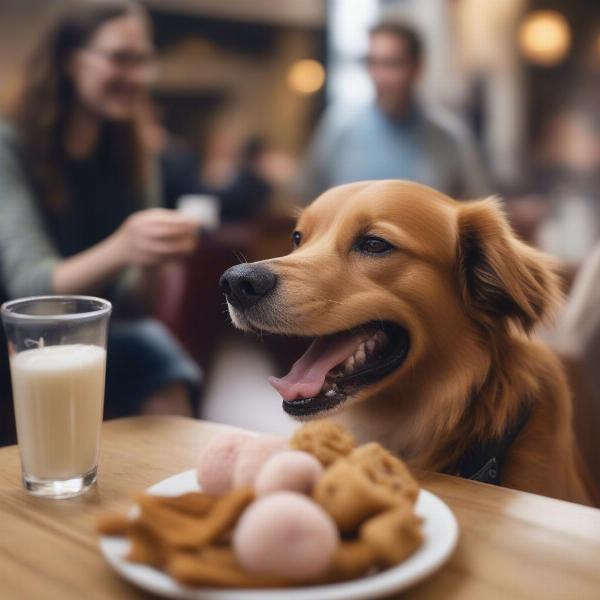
[261, 101]
[309, 13]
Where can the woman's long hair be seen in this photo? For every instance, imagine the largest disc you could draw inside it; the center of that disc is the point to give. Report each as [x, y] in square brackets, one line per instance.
[46, 96]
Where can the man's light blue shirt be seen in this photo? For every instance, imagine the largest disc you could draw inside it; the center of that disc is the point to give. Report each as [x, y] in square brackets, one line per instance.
[370, 145]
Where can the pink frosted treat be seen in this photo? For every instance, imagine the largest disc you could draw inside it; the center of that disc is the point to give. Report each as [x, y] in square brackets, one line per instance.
[253, 454]
[218, 460]
[290, 470]
[285, 534]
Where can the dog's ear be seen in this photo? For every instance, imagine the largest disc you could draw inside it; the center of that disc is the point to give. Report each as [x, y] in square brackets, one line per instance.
[502, 278]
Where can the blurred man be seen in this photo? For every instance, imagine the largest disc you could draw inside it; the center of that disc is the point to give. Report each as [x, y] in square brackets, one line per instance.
[392, 138]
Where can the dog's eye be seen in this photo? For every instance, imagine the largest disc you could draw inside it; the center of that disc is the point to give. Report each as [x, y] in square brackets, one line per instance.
[296, 238]
[371, 244]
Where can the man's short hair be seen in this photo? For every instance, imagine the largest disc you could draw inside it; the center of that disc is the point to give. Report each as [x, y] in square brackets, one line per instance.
[405, 32]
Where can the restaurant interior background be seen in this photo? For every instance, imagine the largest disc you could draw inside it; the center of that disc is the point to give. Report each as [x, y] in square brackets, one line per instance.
[239, 78]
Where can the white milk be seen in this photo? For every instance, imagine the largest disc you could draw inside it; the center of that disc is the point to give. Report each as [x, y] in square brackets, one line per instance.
[59, 396]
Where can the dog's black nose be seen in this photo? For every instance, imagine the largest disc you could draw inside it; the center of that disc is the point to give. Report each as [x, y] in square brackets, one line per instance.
[246, 284]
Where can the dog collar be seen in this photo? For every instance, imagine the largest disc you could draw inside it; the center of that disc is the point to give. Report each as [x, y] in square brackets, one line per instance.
[483, 461]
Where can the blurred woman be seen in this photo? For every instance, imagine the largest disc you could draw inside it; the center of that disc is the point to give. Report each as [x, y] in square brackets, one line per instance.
[79, 203]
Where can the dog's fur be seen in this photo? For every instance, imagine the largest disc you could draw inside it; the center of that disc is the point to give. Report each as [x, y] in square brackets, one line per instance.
[469, 293]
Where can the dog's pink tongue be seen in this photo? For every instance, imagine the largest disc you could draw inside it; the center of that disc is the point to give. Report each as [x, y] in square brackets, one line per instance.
[307, 376]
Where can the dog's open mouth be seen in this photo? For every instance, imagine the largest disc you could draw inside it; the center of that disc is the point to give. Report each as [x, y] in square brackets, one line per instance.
[337, 366]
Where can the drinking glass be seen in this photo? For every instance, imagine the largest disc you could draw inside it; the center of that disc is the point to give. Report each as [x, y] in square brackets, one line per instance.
[57, 353]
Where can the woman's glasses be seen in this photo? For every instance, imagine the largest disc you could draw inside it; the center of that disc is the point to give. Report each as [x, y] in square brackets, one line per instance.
[127, 60]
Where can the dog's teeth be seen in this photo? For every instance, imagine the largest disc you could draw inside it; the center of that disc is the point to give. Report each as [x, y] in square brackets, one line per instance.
[380, 337]
[330, 393]
[370, 345]
[360, 356]
[349, 365]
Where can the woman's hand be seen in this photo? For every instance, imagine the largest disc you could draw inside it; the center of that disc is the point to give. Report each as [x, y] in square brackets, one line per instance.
[146, 239]
[149, 237]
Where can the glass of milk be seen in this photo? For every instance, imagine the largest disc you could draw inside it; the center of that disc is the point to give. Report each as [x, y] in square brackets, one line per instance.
[57, 353]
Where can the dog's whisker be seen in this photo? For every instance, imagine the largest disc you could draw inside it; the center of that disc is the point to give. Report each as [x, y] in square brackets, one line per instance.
[239, 255]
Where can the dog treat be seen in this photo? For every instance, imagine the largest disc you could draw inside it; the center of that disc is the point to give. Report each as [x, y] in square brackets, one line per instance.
[193, 503]
[217, 462]
[146, 547]
[180, 530]
[324, 439]
[208, 569]
[113, 524]
[384, 469]
[322, 512]
[352, 559]
[287, 535]
[394, 535]
[349, 496]
[222, 555]
[290, 470]
[254, 452]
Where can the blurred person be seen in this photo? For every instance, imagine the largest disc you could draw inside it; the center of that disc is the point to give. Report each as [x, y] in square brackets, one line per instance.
[250, 190]
[79, 206]
[234, 167]
[566, 173]
[241, 175]
[393, 138]
[525, 210]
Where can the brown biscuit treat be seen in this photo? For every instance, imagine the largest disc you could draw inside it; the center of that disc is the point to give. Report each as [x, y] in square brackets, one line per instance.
[393, 535]
[146, 547]
[324, 439]
[113, 524]
[352, 559]
[184, 531]
[193, 503]
[385, 469]
[197, 504]
[348, 495]
[222, 555]
[206, 569]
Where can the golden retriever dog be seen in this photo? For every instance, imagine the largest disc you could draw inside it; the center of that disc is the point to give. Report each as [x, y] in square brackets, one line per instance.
[421, 308]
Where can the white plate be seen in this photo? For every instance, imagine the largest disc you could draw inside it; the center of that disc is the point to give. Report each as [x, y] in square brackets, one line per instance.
[440, 535]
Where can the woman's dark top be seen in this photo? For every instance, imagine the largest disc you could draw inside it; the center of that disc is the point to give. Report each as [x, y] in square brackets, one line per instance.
[34, 238]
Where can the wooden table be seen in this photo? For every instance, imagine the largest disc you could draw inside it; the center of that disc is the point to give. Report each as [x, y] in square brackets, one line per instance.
[512, 545]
